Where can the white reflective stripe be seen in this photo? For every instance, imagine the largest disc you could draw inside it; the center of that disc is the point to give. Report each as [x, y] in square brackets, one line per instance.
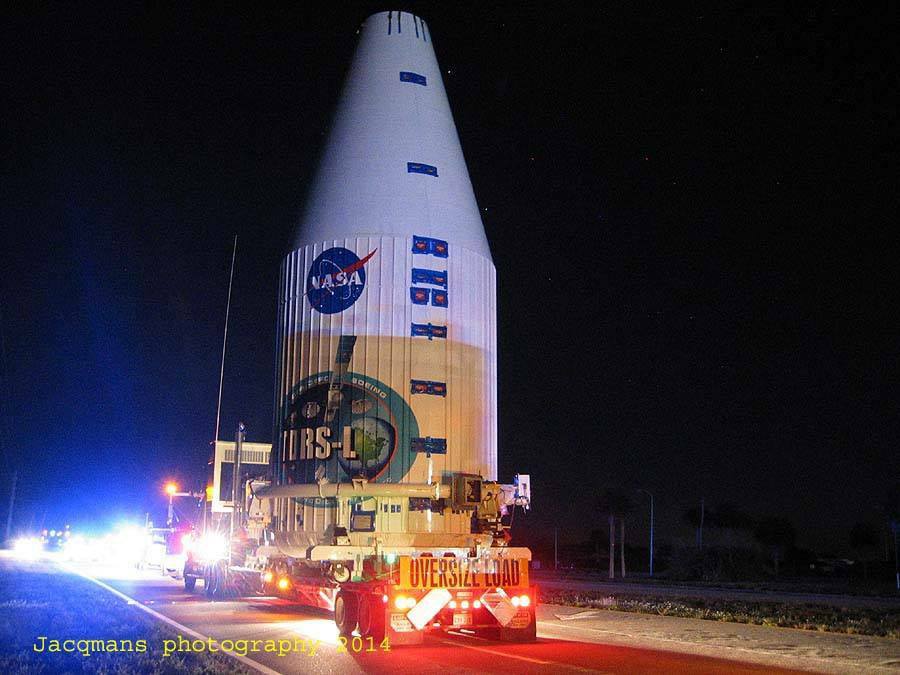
[499, 605]
[427, 607]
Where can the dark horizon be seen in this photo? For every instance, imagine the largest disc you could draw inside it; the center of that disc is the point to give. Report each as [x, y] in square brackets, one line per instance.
[688, 212]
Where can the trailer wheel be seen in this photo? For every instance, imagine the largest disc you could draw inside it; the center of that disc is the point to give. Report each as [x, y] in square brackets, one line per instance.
[346, 609]
[215, 579]
[190, 583]
[208, 581]
[371, 617]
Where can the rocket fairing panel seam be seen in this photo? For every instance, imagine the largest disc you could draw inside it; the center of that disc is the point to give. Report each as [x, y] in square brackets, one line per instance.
[448, 376]
[493, 431]
[449, 354]
[407, 350]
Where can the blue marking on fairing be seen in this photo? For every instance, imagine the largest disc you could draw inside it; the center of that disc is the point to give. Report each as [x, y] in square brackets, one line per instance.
[415, 78]
[418, 167]
[428, 387]
[428, 246]
[390, 22]
[433, 277]
[439, 298]
[428, 330]
[423, 292]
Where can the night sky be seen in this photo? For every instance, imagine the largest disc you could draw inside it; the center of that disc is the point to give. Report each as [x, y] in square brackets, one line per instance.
[691, 211]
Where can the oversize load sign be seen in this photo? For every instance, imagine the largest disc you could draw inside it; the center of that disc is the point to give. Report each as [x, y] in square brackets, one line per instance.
[428, 573]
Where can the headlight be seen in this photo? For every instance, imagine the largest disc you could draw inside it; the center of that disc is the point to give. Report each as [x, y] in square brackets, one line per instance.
[29, 547]
[212, 546]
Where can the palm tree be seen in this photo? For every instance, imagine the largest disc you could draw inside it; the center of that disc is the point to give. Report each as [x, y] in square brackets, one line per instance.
[616, 504]
[777, 535]
[864, 540]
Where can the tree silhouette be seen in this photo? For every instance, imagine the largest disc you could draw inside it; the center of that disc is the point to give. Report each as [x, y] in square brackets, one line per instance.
[728, 516]
[777, 535]
[616, 504]
[864, 542]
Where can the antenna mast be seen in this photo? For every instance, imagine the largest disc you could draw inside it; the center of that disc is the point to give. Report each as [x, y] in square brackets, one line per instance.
[224, 344]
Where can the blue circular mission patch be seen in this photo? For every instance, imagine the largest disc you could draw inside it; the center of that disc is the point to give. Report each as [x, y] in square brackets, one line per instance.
[343, 428]
[336, 279]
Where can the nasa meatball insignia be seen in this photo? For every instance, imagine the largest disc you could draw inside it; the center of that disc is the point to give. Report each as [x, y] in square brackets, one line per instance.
[336, 279]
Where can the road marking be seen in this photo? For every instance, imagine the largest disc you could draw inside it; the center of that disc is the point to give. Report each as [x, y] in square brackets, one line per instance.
[496, 653]
[605, 631]
[580, 615]
[156, 615]
[507, 655]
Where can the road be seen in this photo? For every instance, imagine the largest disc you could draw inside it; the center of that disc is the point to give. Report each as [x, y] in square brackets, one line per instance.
[36, 602]
[561, 646]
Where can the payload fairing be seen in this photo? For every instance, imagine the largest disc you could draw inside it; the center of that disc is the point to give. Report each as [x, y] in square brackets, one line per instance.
[387, 364]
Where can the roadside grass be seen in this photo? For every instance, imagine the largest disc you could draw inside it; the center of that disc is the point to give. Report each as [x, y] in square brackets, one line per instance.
[35, 602]
[851, 620]
[878, 588]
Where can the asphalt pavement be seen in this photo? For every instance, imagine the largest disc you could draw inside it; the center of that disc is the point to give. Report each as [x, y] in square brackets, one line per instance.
[265, 619]
[569, 639]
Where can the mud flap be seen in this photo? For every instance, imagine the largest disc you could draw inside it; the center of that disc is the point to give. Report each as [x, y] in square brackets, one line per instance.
[400, 631]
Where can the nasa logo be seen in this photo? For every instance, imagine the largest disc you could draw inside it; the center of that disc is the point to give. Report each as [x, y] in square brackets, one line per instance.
[336, 279]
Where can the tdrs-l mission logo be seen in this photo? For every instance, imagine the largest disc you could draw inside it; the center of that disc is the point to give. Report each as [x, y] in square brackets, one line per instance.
[336, 279]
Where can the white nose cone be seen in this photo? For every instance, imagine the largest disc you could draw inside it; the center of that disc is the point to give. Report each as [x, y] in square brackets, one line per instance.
[393, 113]
[387, 307]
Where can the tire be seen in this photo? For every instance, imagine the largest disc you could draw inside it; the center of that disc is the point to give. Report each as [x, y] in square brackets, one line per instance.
[371, 617]
[215, 580]
[208, 589]
[190, 583]
[346, 608]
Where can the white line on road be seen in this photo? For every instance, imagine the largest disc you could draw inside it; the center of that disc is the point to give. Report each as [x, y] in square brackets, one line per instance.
[156, 615]
[496, 653]
[579, 615]
[506, 655]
